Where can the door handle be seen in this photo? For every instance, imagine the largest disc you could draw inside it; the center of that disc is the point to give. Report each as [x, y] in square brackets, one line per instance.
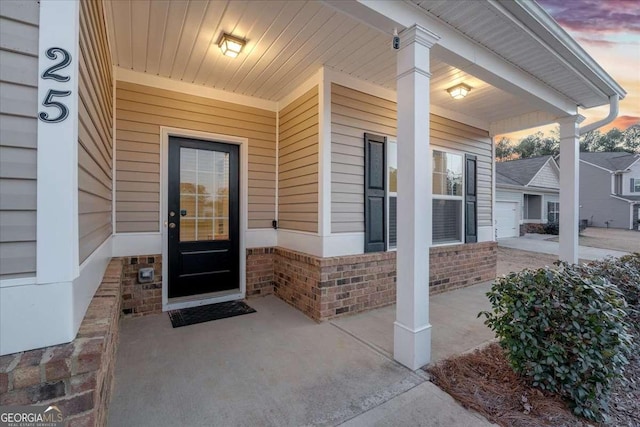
[172, 225]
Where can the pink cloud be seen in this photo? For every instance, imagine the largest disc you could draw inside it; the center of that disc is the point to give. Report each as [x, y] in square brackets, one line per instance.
[596, 16]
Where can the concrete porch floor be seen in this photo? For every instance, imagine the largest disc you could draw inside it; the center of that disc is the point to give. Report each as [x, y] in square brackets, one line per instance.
[277, 367]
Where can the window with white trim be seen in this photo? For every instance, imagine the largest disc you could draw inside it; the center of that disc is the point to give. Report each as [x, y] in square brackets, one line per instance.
[553, 212]
[635, 185]
[448, 196]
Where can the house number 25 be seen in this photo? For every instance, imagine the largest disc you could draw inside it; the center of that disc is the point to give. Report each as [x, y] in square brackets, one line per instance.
[64, 58]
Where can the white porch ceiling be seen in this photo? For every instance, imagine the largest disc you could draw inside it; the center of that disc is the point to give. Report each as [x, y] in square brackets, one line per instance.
[286, 44]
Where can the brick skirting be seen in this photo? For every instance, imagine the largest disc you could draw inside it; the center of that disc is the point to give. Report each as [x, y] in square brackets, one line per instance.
[457, 266]
[324, 288]
[259, 271]
[76, 377]
[140, 299]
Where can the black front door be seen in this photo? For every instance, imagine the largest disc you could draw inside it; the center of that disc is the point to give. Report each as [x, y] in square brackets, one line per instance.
[203, 217]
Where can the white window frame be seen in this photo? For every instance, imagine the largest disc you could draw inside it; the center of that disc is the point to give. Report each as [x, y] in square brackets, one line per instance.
[636, 185]
[462, 154]
[388, 193]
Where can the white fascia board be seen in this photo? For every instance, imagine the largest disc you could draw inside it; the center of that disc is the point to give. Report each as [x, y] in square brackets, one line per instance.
[558, 40]
[130, 76]
[465, 54]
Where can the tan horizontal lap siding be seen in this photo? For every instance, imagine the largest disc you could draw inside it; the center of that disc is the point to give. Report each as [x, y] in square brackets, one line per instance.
[95, 127]
[298, 164]
[354, 113]
[141, 110]
[18, 137]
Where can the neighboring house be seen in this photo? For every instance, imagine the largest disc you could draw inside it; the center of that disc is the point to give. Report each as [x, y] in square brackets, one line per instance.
[128, 132]
[527, 192]
[610, 189]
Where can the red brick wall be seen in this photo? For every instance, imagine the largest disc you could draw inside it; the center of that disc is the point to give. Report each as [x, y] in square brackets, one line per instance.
[259, 271]
[457, 266]
[296, 280]
[77, 377]
[323, 288]
[355, 283]
[139, 299]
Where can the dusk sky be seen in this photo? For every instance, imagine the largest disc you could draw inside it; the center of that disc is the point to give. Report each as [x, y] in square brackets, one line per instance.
[609, 30]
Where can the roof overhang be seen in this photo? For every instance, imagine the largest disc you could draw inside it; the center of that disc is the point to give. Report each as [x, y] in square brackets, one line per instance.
[512, 62]
[558, 41]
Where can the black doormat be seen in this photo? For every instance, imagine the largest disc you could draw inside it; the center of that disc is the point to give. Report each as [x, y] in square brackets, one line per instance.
[207, 313]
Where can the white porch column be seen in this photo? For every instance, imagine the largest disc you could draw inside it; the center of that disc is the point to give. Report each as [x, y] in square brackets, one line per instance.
[569, 187]
[412, 331]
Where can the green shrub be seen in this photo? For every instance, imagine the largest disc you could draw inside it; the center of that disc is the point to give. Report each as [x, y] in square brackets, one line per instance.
[623, 272]
[565, 331]
[552, 228]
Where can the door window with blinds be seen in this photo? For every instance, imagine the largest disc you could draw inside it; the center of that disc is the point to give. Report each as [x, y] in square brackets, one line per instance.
[204, 195]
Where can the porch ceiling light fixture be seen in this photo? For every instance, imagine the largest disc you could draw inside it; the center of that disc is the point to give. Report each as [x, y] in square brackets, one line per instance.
[459, 91]
[230, 45]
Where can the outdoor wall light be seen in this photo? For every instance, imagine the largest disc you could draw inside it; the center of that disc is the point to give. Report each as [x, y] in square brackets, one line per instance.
[459, 91]
[230, 45]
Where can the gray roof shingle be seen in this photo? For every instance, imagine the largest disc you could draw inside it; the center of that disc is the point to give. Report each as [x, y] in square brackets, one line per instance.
[613, 161]
[519, 172]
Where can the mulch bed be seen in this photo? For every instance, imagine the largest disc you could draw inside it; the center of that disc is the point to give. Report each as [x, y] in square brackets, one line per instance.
[483, 381]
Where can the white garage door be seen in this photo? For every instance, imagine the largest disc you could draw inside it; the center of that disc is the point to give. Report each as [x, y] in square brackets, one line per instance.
[507, 219]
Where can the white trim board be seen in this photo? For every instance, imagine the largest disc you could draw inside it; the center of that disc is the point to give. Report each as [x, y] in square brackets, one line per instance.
[130, 76]
[243, 143]
[324, 154]
[57, 154]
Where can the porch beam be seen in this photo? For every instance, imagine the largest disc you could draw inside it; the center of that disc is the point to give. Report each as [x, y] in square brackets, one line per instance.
[569, 187]
[460, 51]
[412, 331]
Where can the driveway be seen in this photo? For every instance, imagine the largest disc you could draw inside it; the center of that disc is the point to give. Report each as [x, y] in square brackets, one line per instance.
[610, 238]
[540, 243]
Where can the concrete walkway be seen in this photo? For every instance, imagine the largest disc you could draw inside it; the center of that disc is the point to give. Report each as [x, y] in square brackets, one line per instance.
[537, 243]
[276, 367]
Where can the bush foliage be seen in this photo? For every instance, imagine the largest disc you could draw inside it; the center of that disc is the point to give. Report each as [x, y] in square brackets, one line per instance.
[567, 329]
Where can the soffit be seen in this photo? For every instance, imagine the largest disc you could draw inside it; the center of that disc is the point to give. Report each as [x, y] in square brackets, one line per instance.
[286, 44]
[483, 23]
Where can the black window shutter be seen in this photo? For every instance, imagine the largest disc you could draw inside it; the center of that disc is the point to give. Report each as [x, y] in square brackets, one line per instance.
[375, 177]
[471, 200]
[632, 185]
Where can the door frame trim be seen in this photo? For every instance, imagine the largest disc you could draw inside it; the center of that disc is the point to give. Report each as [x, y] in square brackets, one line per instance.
[243, 143]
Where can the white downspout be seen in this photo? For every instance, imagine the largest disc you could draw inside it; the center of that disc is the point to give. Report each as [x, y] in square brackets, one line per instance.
[613, 113]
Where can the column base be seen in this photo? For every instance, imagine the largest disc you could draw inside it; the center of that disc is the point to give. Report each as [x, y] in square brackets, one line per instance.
[411, 347]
